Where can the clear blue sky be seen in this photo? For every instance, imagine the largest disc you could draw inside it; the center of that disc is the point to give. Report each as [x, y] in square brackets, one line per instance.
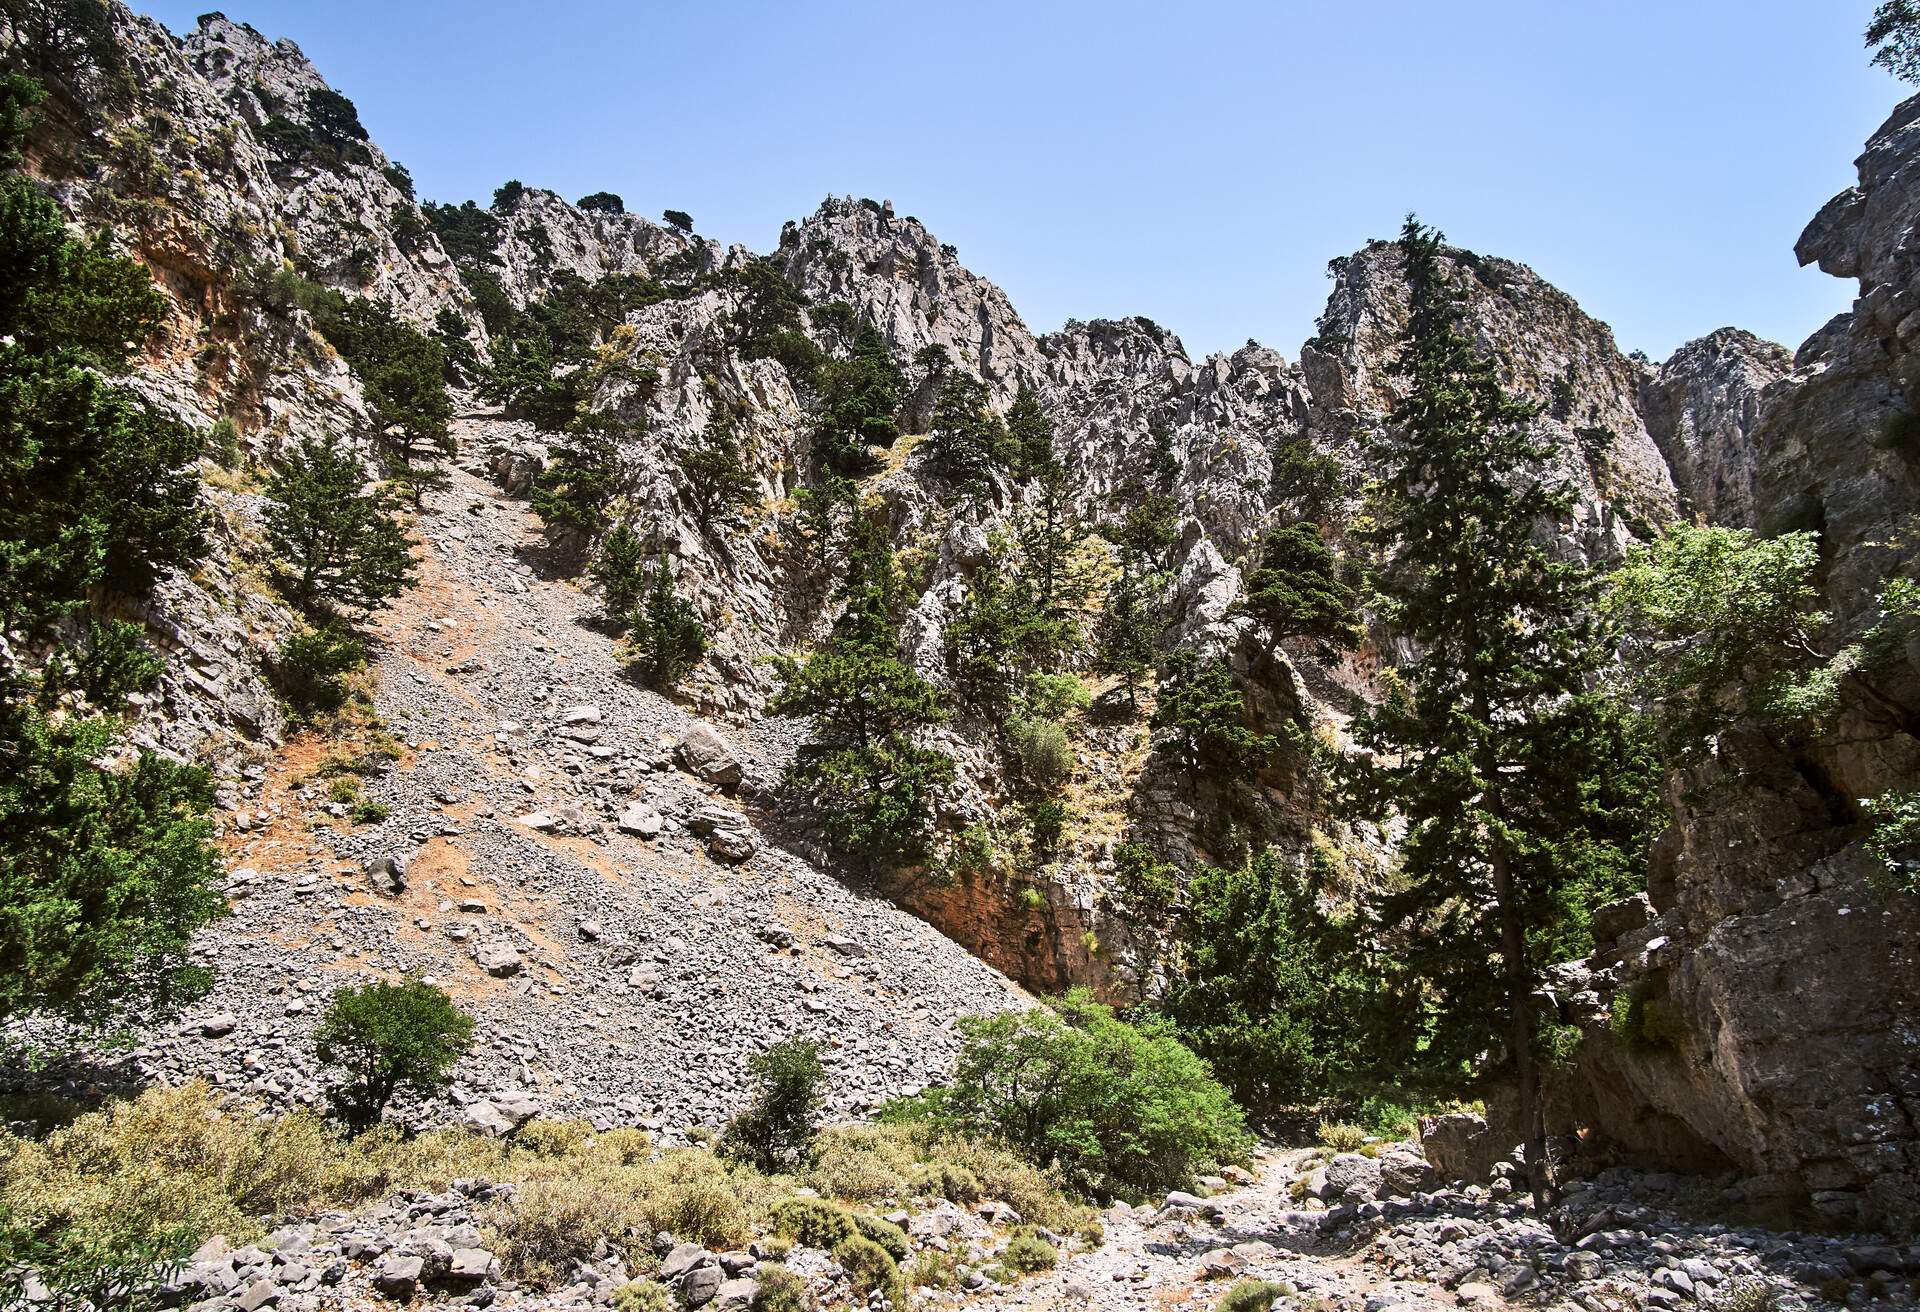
[1196, 163]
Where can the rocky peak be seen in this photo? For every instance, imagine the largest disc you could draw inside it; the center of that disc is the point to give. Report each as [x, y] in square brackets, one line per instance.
[541, 235]
[1701, 407]
[1548, 349]
[898, 277]
[354, 221]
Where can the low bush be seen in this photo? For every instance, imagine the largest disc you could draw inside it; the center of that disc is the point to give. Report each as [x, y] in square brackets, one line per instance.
[643, 1296]
[871, 1270]
[1043, 751]
[780, 1290]
[1028, 1254]
[1341, 1137]
[1252, 1296]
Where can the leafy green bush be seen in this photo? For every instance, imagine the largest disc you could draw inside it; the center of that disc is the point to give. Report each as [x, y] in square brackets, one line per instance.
[1117, 1109]
[1147, 884]
[1341, 1137]
[385, 1038]
[884, 1233]
[1895, 836]
[775, 1132]
[310, 669]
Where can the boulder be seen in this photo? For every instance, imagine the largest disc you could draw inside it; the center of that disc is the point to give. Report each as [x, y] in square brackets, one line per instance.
[501, 960]
[641, 819]
[701, 751]
[398, 1276]
[1353, 1177]
[1458, 1146]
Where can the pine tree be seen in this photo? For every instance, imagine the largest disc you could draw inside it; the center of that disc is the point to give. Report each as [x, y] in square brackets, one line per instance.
[968, 443]
[574, 492]
[335, 541]
[1049, 525]
[718, 485]
[1126, 636]
[1203, 713]
[1149, 527]
[996, 635]
[858, 405]
[1296, 592]
[871, 783]
[665, 637]
[1517, 784]
[620, 570]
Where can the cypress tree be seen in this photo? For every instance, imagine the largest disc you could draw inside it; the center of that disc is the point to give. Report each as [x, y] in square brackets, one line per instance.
[1296, 592]
[1126, 636]
[665, 637]
[1519, 787]
[1203, 712]
[335, 540]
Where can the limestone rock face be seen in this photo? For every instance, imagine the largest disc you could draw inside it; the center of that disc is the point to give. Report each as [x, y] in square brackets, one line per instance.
[1701, 407]
[1777, 984]
[540, 236]
[897, 277]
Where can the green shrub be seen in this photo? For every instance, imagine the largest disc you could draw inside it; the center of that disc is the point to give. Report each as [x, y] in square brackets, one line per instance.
[870, 1270]
[1342, 1137]
[1147, 884]
[814, 1222]
[1117, 1109]
[223, 443]
[1029, 1254]
[780, 1290]
[1056, 696]
[1253, 1296]
[385, 1038]
[1644, 1018]
[1388, 1119]
[775, 1132]
[643, 1296]
[309, 670]
[1046, 824]
[884, 1233]
[369, 812]
[1043, 752]
[620, 570]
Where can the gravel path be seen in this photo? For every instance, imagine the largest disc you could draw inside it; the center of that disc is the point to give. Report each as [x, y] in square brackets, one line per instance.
[620, 976]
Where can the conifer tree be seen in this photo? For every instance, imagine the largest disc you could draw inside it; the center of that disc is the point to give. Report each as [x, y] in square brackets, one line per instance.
[1204, 714]
[968, 443]
[718, 485]
[574, 492]
[869, 780]
[858, 405]
[1049, 525]
[1296, 592]
[1126, 636]
[1148, 528]
[996, 635]
[335, 541]
[620, 570]
[1518, 785]
[665, 637]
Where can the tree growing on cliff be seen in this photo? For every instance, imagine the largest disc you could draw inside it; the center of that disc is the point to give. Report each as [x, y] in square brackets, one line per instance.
[665, 637]
[336, 542]
[1894, 33]
[1296, 592]
[1203, 714]
[573, 495]
[1126, 636]
[968, 443]
[870, 781]
[718, 483]
[1508, 771]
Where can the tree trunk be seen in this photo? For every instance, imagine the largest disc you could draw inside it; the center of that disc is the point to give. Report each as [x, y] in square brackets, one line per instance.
[1513, 955]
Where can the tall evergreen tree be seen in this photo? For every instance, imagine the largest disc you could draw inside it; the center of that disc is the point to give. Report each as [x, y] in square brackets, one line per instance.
[718, 484]
[857, 404]
[1517, 786]
[871, 783]
[1049, 525]
[968, 443]
[574, 494]
[665, 637]
[1126, 636]
[335, 540]
[1204, 715]
[1296, 592]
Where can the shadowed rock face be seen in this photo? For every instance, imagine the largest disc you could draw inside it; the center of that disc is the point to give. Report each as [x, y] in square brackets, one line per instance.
[1701, 407]
[1788, 979]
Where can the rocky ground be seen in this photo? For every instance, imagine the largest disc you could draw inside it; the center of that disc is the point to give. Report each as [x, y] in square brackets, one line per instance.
[1384, 1236]
[577, 860]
